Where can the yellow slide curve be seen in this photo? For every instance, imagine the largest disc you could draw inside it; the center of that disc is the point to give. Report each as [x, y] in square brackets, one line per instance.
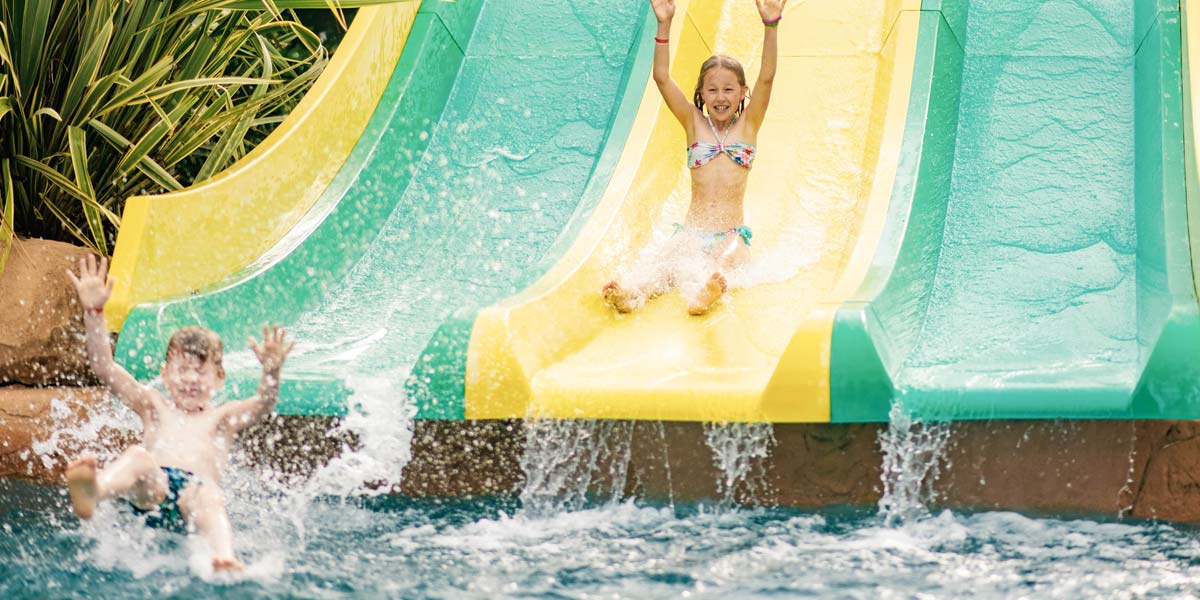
[175, 244]
[816, 201]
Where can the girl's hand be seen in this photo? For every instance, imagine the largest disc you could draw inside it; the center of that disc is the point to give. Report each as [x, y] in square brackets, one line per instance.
[274, 348]
[770, 10]
[91, 284]
[663, 9]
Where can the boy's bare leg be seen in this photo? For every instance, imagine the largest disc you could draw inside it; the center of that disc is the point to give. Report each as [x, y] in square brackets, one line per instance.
[205, 508]
[81, 481]
[134, 476]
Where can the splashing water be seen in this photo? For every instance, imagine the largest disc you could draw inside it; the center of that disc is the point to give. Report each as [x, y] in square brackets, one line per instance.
[271, 512]
[382, 420]
[392, 546]
[73, 437]
[737, 449]
[912, 462]
[563, 461]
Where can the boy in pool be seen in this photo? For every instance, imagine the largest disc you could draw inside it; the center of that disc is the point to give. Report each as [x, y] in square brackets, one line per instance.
[174, 476]
[714, 235]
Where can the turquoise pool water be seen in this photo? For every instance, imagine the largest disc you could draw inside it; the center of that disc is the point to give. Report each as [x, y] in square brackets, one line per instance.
[391, 546]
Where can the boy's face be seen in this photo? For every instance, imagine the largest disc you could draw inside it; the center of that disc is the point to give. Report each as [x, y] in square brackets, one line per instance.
[722, 93]
[191, 382]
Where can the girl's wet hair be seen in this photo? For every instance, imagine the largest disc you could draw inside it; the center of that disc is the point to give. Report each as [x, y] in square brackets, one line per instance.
[201, 342]
[724, 62]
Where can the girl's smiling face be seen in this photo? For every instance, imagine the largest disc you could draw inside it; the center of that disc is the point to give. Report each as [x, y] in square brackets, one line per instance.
[722, 93]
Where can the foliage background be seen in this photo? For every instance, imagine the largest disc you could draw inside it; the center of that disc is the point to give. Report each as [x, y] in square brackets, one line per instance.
[101, 100]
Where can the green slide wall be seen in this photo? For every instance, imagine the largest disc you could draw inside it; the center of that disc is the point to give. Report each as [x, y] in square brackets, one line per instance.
[483, 149]
[1036, 260]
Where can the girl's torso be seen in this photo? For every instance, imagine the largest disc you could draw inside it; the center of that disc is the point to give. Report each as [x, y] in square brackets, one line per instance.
[719, 184]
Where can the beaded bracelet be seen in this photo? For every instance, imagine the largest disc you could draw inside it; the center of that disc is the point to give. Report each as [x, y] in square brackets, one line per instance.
[773, 22]
[94, 310]
[661, 40]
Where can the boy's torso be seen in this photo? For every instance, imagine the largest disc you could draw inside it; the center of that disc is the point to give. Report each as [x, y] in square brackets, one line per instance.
[196, 442]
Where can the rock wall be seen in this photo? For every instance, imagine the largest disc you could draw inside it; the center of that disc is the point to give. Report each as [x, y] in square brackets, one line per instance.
[41, 326]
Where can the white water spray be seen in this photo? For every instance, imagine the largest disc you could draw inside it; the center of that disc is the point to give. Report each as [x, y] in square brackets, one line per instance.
[564, 458]
[912, 463]
[382, 420]
[739, 450]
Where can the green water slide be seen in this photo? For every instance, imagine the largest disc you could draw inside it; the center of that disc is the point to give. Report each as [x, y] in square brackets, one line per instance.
[1036, 261]
[495, 136]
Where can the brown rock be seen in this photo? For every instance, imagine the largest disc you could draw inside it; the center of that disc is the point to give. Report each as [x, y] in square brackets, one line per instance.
[1170, 487]
[41, 326]
[42, 429]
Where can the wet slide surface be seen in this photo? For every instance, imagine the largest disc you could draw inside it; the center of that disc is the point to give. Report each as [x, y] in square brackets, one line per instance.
[1037, 268]
[478, 155]
[1044, 271]
[557, 350]
[178, 243]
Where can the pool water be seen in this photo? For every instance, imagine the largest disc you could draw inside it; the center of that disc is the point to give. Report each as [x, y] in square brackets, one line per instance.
[394, 546]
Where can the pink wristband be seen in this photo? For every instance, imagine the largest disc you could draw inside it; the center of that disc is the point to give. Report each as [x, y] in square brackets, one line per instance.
[773, 22]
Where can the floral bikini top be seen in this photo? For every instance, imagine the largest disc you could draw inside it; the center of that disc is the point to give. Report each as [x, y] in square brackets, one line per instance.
[700, 153]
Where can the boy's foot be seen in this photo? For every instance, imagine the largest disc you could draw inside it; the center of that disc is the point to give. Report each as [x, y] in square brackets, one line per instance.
[81, 480]
[226, 564]
[709, 294]
[618, 297]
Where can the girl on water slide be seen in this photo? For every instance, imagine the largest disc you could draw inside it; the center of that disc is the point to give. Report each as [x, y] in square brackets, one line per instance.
[721, 122]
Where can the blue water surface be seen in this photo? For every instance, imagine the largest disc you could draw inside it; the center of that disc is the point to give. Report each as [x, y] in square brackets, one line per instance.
[395, 546]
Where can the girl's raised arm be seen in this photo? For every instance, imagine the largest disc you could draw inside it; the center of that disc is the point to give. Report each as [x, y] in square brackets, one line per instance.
[771, 12]
[664, 10]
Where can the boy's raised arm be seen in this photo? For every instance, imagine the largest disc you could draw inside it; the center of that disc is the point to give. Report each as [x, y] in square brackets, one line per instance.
[93, 288]
[271, 353]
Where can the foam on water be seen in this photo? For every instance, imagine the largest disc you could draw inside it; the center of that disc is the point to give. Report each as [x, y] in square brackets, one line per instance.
[573, 532]
[390, 545]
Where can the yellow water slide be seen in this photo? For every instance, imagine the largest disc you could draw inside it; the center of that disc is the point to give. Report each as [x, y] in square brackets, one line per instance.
[816, 201]
[175, 244]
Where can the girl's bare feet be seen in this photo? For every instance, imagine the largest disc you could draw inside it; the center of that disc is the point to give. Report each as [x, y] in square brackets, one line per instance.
[81, 481]
[709, 294]
[226, 564]
[618, 297]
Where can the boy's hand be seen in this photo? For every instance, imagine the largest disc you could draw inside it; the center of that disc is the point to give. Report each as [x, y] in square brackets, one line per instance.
[274, 348]
[664, 10]
[92, 284]
[770, 10]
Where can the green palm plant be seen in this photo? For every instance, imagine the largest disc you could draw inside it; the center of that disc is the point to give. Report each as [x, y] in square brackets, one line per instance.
[104, 99]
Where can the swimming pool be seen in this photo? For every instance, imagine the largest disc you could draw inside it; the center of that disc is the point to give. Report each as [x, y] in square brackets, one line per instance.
[568, 529]
[396, 546]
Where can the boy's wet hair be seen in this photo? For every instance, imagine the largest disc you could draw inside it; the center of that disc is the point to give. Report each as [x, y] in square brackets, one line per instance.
[724, 62]
[201, 342]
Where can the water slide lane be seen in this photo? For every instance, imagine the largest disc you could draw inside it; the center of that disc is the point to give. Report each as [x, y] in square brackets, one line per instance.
[1036, 262]
[827, 156]
[178, 243]
[480, 152]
